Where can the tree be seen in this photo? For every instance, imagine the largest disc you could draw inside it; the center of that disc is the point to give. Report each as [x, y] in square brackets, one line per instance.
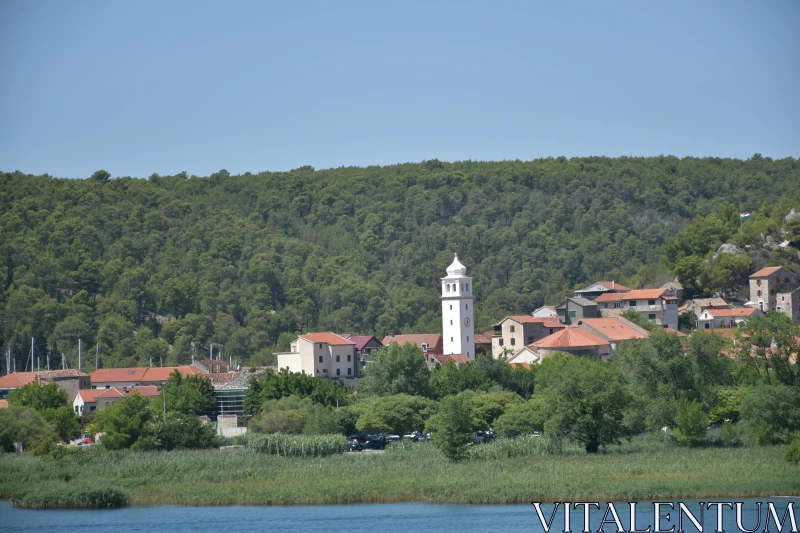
[37, 396]
[522, 418]
[179, 432]
[771, 413]
[396, 370]
[65, 422]
[101, 176]
[399, 413]
[583, 399]
[489, 406]
[189, 395]
[451, 379]
[285, 415]
[453, 426]
[123, 422]
[25, 425]
[768, 344]
[692, 423]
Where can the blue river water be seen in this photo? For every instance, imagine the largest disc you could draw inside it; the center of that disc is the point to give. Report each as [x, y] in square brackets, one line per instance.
[375, 518]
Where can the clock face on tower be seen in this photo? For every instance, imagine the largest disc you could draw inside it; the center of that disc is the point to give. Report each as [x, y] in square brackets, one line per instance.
[466, 321]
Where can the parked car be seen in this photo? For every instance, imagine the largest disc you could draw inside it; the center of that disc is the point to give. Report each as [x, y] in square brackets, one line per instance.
[392, 438]
[375, 441]
[353, 445]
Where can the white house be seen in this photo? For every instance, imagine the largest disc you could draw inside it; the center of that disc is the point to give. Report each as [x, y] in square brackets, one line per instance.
[320, 354]
[546, 311]
[725, 318]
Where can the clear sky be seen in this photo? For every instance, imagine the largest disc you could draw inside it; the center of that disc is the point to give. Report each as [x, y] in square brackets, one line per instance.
[167, 86]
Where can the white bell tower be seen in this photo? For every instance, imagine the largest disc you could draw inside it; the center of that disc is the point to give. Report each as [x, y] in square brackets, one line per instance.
[458, 323]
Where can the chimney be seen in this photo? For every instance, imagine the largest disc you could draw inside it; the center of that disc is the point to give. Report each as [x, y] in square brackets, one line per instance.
[613, 285]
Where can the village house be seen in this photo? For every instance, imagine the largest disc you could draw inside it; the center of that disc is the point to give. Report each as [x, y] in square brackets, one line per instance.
[438, 361]
[572, 340]
[88, 400]
[546, 311]
[515, 332]
[430, 344]
[615, 330]
[365, 346]
[677, 288]
[70, 379]
[775, 289]
[575, 309]
[106, 378]
[659, 306]
[698, 305]
[483, 342]
[725, 318]
[320, 354]
[592, 292]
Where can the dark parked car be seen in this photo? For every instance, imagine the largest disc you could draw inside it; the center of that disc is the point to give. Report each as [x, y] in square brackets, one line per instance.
[354, 445]
[375, 441]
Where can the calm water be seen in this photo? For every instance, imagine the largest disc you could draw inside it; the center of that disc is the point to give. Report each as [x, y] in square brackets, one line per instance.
[371, 518]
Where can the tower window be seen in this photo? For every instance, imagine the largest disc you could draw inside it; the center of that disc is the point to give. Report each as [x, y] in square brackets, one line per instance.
[467, 339]
[451, 339]
[467, 306]
[451, 322]
[451, 307]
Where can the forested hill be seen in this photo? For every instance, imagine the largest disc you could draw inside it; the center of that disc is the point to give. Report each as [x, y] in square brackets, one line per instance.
[142, 265]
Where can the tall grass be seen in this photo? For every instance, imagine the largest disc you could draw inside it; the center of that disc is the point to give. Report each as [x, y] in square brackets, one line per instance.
[297, 445]
[508, 471]
[64, 496]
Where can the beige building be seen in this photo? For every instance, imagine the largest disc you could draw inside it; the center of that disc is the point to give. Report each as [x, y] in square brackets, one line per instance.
[775, 289]
[659, 306]
[321, 355]
[515, 332]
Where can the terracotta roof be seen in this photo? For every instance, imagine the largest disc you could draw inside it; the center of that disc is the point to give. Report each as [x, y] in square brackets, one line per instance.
[66, 373]
[764, 272]
[552, 323]
[327, 338]
[724, 332]
[613, 328]
[456, 358]
[89, 395]
[742, 311]
[158, 374]
[431, 339]
[523, 365]
[482, 338]
[113, 392]
[15, 380]
[614, 285]
[572, 337]
[111, 375]
[638, 294]
[3, 404]
[523, 319]
[361, 340]
[148, 391]
[675, 332]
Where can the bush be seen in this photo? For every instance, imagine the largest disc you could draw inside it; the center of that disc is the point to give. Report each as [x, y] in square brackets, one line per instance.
[692, 423]
[792, 453]
[68, 496]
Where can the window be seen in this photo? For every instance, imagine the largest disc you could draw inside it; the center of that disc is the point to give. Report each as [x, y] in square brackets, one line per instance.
[451, 322]
[758, 283]
[338, 372]
[451, 339]
[467, 306]
[324, 370]
[451, 307]
[348, 371]
[772, 291]
[513, 341]
[318, 371]
[320, 358]
[467, 338]
[349, 357]
[512, 329]
[632, 303]
[500, 341]
[424, 347]
[707, 325]
[572, 314]
[448, 287]
[759, 292]
[651, 316]
[337, 358]
[320, 346]
[651, 302]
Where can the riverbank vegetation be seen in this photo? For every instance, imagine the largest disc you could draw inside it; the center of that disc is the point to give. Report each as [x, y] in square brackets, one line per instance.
[409, 472]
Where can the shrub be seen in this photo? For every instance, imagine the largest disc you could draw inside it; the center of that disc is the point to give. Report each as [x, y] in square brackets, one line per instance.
[692, 423]
[66, 496]
[792, 453]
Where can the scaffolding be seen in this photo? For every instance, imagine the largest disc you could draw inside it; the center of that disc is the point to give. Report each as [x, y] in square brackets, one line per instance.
[230, 401]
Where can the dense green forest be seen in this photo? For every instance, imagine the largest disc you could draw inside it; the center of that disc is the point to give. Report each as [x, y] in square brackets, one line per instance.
[159, 267]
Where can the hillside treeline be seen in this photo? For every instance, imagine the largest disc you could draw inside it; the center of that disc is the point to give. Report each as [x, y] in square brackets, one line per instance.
[162, 267]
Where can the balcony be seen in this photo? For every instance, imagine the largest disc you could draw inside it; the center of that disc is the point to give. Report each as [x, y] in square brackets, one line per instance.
[645, 308]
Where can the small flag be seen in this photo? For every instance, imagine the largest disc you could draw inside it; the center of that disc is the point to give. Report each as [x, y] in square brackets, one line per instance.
[743, 215]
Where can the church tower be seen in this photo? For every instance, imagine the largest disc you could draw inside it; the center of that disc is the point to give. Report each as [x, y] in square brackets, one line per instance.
[458, 324]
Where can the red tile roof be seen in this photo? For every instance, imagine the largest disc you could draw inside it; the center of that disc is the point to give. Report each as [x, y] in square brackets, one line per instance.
[523, 365]
[148, 391]
[112, 375]
[16, 380]
[3, 404]
[326, 338]
[89, 395]
[572, 337]
[159, 374]
[456, 358]
[613, 328]
[764, 272]
[742, 311]
[66, 373]
[613, 285]
[483, 338]
[361, 340]
[431, 339]
[637, 294]
[675, 332]
[523, 319]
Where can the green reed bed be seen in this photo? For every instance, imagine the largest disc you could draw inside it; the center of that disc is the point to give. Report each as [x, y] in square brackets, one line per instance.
[503, 472]
[297, 445]
[64, 496]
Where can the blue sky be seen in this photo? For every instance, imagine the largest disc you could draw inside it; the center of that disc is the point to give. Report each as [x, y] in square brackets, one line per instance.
[152, 86]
